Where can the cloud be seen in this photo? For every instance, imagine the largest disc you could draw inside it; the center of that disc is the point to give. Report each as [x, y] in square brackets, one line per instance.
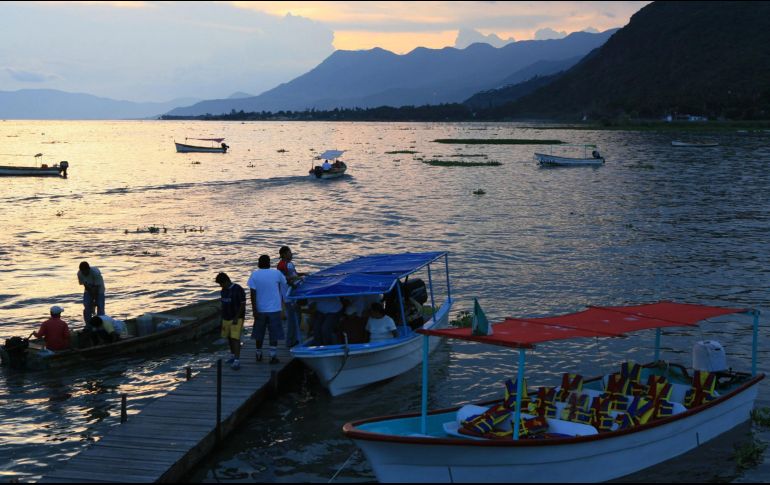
[24, 76]
[466, 37]
[591, 30]
[549, 33]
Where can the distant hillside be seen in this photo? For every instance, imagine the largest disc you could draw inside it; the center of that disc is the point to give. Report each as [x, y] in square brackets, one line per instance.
[704, 58]
[495, 98]
[424, 76]
[49, 104]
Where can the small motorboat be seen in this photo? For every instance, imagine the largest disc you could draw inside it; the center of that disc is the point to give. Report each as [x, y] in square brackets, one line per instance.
[184, 148]
[329, 170]
[41, 170]
[551, 160]
[683, 144]
[586, 430]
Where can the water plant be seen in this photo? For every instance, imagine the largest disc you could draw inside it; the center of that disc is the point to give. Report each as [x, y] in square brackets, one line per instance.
[463, 320]
[460, 163]
[750, 454]
[410, 152]
[761, 416]
[497, 141]
[479, 192]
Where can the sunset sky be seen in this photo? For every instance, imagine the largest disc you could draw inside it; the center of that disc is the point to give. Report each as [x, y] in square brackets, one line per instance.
[157, 51]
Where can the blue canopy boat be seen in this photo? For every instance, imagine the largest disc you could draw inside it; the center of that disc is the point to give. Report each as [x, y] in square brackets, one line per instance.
[354, 363]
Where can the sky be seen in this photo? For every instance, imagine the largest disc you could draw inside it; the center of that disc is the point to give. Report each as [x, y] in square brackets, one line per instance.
[160, 50]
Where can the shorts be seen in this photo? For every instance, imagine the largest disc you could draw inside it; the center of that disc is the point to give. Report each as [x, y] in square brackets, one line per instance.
[270, 322]
[232, 330]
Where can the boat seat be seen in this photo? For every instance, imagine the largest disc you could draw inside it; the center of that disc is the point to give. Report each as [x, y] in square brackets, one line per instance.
[555, 426]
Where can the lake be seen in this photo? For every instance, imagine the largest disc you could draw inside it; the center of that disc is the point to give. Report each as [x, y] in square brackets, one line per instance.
[655, 222]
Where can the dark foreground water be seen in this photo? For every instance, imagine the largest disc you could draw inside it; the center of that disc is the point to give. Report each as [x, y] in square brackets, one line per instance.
[655, 222]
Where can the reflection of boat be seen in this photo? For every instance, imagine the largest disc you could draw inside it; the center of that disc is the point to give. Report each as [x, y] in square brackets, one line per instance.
[354, 364]
[42, 170]
[335, 170]
[183, 148]
[693, 145]
[584, 430]
[550, 160]
[146, 332]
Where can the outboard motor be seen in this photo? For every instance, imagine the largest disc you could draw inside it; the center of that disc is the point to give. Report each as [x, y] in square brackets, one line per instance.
[63, 166]
[596, 154]
[318, 171]
[416, 290]
[709, 355]
[15, 351]
[224, 147]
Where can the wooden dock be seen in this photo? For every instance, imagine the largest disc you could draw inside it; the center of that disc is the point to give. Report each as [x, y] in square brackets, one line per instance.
[174, 432]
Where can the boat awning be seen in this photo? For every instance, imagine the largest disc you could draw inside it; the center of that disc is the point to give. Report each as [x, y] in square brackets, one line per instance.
[331, 154]
[593, 322]
[218, 140]
[367, 275]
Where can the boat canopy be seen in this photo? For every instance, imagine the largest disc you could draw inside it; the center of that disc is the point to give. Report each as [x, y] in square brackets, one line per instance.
[218, 140]
[331, 154]
[367, 275]
[594, 322]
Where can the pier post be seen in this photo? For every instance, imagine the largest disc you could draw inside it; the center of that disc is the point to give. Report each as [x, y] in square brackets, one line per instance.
[219, 400]
[123, 412]
[188, 372]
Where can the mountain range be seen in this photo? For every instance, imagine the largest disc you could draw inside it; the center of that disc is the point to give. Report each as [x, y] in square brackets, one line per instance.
[703, 58]
[378, 77]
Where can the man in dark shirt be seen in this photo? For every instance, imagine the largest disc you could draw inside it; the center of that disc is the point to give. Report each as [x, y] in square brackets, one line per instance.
[233, 314]
[55, 331]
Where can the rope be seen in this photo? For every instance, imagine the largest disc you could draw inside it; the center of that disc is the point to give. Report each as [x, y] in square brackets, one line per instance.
[355, 452]
[344, 360]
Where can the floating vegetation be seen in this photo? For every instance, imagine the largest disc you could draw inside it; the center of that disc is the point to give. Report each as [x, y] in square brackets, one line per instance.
[410, 152]
[465, 156]
[59, 213]
[761, 416]
[147, 253]
[460, 163]
[750, 454]
[148, 229]
[251, 165]
[195, 163]
[463, 320]
[497, 141]
[479, 192]
[282, 150]
[643, 166]
[192, 229]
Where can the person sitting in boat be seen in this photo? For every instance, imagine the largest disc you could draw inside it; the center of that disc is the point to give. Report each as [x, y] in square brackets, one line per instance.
[596, 154]
[337, 164]
[102, 330]
[55, 331]
[326, 166]
[380, 326]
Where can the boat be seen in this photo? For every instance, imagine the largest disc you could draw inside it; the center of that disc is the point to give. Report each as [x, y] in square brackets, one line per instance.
[354, 364]
[627, 426]
[337, 169]
[682, 144]
[41, 170]
[550, 160]
[149, 331]
[184, 148]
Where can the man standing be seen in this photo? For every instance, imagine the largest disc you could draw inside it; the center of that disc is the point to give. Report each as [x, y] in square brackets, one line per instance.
[267, 288]
[286, 267]
[93, 296]
[233, 315]
[54, 331]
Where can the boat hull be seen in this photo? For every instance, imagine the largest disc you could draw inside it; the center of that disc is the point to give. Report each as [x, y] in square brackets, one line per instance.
[8, 171]
[554, 161]
[404, 458]
[198, 319]
[342, 372]
[182, 148]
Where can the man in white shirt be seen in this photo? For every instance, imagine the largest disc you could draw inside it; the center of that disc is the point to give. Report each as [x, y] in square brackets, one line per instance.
[380, 326]
[267, 288]
[326, 320]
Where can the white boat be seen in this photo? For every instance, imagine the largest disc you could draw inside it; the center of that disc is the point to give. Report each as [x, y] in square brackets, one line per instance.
[550, 160]
[440, 447]
[352, 365]
[693, 145]
[336, 170]
[41, 170]
[184, 148]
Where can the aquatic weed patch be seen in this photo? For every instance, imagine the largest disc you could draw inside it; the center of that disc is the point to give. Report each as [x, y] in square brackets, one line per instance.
[461, 163]
[394, 152]
[497, 141]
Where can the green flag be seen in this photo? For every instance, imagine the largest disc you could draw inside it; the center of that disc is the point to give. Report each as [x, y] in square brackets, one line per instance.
[480, 324]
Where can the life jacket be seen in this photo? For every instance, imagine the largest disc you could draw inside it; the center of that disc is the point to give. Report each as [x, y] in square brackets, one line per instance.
[639, 412]
[600, 414]
[658, 388]
[577, 409]
[487, 421]
[663, 408]
[510, 395]
[702, 390]
[631, 371]
[543, 405]
[569, 383]
[616, 390]
[532, 426]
